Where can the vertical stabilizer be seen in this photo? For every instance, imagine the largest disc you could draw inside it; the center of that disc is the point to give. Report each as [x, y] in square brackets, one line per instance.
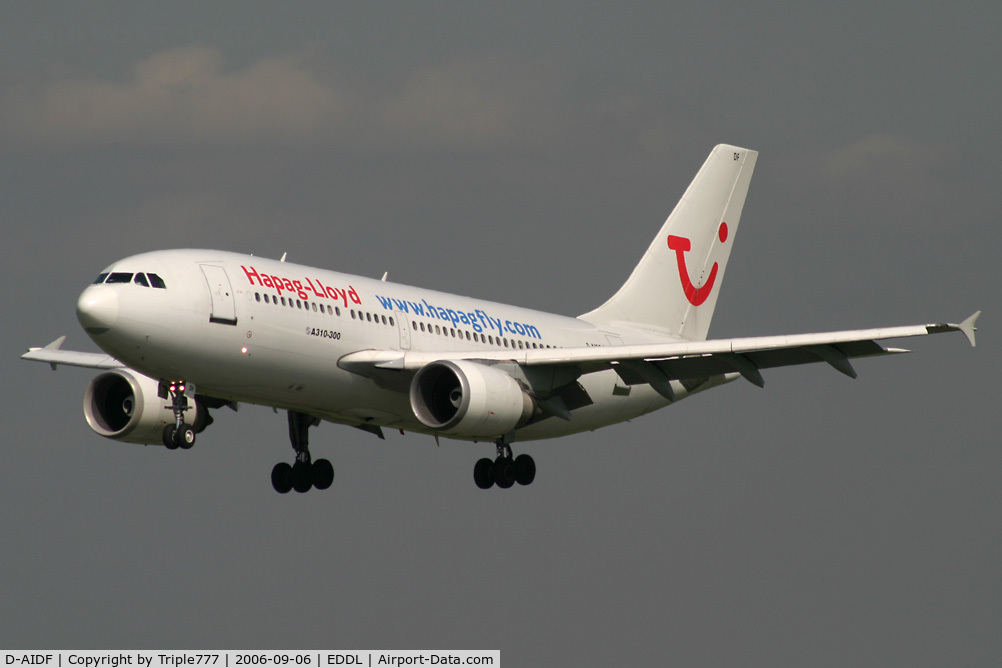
[675, 286]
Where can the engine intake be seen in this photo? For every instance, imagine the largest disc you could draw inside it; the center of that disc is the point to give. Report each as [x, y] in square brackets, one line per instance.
[124, 406]
[468, 399]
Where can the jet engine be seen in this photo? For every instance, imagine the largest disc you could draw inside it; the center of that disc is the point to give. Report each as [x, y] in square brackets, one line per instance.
[468, 400]
[125, 406]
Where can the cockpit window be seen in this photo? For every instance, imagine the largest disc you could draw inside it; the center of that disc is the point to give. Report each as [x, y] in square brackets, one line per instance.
[119, 277]
[156, 281]
[141, 280]
[100, 278]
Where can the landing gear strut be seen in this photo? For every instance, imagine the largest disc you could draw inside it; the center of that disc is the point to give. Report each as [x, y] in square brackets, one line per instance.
[304, 473]
[505, 470]
[178, 434]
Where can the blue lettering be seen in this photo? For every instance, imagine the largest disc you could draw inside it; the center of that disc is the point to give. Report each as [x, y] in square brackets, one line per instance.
[478, 320]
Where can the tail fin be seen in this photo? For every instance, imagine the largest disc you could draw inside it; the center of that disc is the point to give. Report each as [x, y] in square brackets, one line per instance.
[674, 288]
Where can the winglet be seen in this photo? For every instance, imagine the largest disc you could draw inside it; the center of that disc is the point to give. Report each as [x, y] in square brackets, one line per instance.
[968, 328]
[58, 343]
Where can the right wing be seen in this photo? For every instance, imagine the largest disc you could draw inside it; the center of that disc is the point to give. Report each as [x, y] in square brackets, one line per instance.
[54, 355]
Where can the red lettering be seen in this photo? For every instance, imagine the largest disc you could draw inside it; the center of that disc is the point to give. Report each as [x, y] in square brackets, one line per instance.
[251, 275]
[315, 291]
[303, 288]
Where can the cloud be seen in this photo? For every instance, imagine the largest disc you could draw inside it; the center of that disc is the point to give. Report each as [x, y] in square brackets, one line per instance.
[187, 97]
[458, 104]
[878, 154]
[182, 95]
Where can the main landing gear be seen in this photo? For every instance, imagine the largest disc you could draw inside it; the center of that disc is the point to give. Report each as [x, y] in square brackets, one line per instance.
[504, 471]
[304, 473]
[179, 434]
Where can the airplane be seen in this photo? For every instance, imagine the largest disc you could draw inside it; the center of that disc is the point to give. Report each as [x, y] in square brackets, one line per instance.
[189, 331]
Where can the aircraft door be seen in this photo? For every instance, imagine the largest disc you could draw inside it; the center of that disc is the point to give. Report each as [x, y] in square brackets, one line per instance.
[405, 330]
[223, 309]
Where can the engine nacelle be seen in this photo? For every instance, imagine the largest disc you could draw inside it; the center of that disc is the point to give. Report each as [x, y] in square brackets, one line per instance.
[124, 406]
[468, 400]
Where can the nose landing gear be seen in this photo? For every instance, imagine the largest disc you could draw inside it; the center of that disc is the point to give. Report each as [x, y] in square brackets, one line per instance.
[179, 434]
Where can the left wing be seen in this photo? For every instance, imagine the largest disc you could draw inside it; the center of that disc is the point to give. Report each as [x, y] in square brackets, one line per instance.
[659, 363]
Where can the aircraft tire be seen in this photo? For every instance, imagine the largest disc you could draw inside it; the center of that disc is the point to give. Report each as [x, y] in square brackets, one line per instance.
[302, 477]
[504, 472]
[482, 473]
[169, 441]
[185, 437]
[322, 473]
[525, 469]
[281, 478]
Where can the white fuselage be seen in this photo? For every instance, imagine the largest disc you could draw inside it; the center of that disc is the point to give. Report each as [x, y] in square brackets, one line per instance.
[249, 329]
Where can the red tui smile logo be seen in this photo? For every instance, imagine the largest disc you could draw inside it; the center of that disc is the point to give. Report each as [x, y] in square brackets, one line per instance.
[680, 245]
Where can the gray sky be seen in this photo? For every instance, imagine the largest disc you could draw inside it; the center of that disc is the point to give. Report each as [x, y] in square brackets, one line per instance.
[523, 153]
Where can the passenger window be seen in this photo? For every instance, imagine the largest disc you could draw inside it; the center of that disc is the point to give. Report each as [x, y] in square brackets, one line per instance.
[119, 277]
[283, 301]
[391, 321]
[141, 280]
[156, 281]
[257, 296]
[467, 336]
[368, 316]
[100, 278]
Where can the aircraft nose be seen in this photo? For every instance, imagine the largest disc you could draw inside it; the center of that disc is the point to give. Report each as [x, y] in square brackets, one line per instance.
[97, 309]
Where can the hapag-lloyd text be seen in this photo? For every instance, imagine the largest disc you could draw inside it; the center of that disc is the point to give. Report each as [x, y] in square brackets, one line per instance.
[301, 289]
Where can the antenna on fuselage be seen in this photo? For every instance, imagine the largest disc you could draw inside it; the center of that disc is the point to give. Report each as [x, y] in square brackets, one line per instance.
[385, 274]
[283, 257]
